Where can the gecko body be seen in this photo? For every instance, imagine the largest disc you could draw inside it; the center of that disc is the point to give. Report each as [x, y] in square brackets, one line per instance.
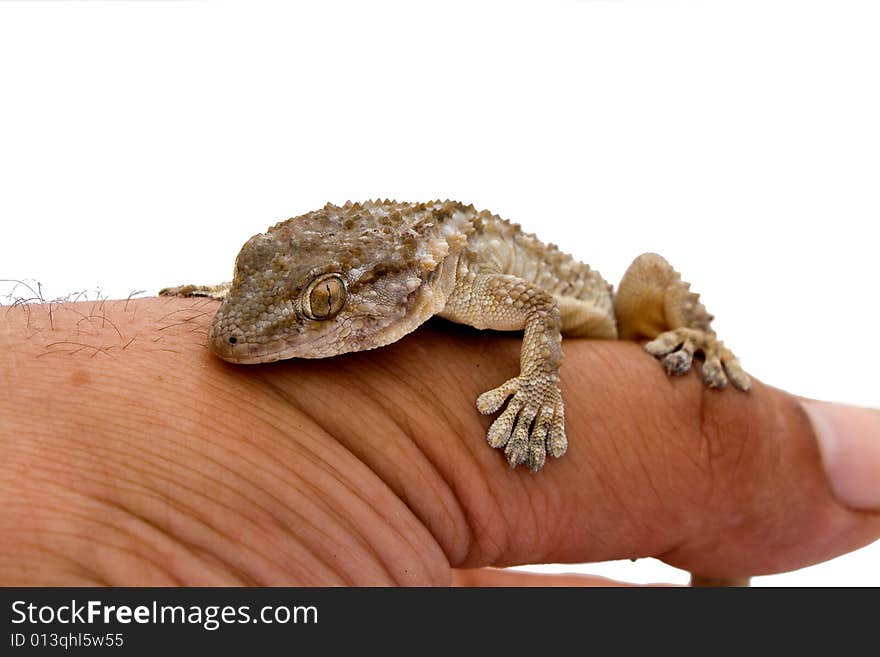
[362, 275]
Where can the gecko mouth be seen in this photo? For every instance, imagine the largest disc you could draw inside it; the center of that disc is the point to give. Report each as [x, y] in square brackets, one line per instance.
[237, 350]
[233, 345]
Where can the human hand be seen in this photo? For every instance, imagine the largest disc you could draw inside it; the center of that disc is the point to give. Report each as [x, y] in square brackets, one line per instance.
[134, 457]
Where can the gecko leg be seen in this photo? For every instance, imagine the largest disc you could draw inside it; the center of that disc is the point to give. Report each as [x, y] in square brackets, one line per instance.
[211, 291]
[653, 302]
[532, 424]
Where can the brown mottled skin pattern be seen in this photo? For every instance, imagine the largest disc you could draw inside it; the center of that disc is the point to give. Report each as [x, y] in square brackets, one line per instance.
[362, 275]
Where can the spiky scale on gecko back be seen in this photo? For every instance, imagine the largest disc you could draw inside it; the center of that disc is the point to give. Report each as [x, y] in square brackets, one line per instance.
[380, 237]
[362, 275]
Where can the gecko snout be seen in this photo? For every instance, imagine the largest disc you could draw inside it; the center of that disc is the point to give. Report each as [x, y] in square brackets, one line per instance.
[234, 346]
[227, 343]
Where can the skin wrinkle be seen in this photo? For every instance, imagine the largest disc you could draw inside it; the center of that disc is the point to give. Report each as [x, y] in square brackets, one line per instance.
[474, 537]
[399, 416]
[192, 512]
[415, 549]
[712, 448]
[483, 546]
[340, 519]
[50, 481]
[558, 532]
[116, 549]
[464, 532]
[462, 548]
[138, 554]
[285, 525]
[704, 455]
[694, 457]
[716, 448]
[191, 492]
[93, 540]
[646, 471]
[156, 473]
[745, 447]
[517, 524]
[532, 514]
[381, 401]
[181, 544]
[404, 427]
[480, 547]
[351, 446]
[60, 556]
[241, 577]
[193, 551]
[193, 516]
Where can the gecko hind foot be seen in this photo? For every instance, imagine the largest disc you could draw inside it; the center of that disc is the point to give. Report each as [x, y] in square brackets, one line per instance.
[532, 425]
[676, 350]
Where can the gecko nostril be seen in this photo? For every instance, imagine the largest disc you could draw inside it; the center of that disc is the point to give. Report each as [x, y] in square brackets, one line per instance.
[233, 339]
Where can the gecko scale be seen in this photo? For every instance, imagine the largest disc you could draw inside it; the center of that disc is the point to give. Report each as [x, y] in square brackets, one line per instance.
[363, 275]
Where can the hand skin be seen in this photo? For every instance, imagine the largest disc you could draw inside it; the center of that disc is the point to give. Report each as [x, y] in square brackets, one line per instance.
[132, 456]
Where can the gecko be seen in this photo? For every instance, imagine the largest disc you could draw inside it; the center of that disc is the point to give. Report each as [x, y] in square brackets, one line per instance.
[362, 275]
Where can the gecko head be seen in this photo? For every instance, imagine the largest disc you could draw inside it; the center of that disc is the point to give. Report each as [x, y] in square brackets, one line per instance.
[297, 294]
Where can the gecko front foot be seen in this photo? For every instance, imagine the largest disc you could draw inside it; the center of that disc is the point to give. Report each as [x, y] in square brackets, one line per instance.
[211, 291]
[532, 425]
[676, 350]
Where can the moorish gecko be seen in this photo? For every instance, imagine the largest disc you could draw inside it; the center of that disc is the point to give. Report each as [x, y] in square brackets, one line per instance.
[364, 275]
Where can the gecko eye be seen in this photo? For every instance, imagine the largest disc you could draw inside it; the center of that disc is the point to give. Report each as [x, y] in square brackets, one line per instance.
[324, 297]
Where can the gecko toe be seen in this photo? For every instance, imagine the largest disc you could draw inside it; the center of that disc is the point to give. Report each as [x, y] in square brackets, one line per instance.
[736, 375]
[675, 349]
[679, 362]
[499, 432]
[730, 365]
[489, 402]
[517, 449]
[663, 344]
[557, 443]
[537, 454]
[538, 440]
[713, 373]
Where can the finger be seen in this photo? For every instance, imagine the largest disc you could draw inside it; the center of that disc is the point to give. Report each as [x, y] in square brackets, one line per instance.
[383, 447]
[507, 577]
[719, 482]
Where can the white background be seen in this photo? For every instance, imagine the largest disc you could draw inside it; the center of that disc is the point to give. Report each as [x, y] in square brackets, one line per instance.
[142, 142]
